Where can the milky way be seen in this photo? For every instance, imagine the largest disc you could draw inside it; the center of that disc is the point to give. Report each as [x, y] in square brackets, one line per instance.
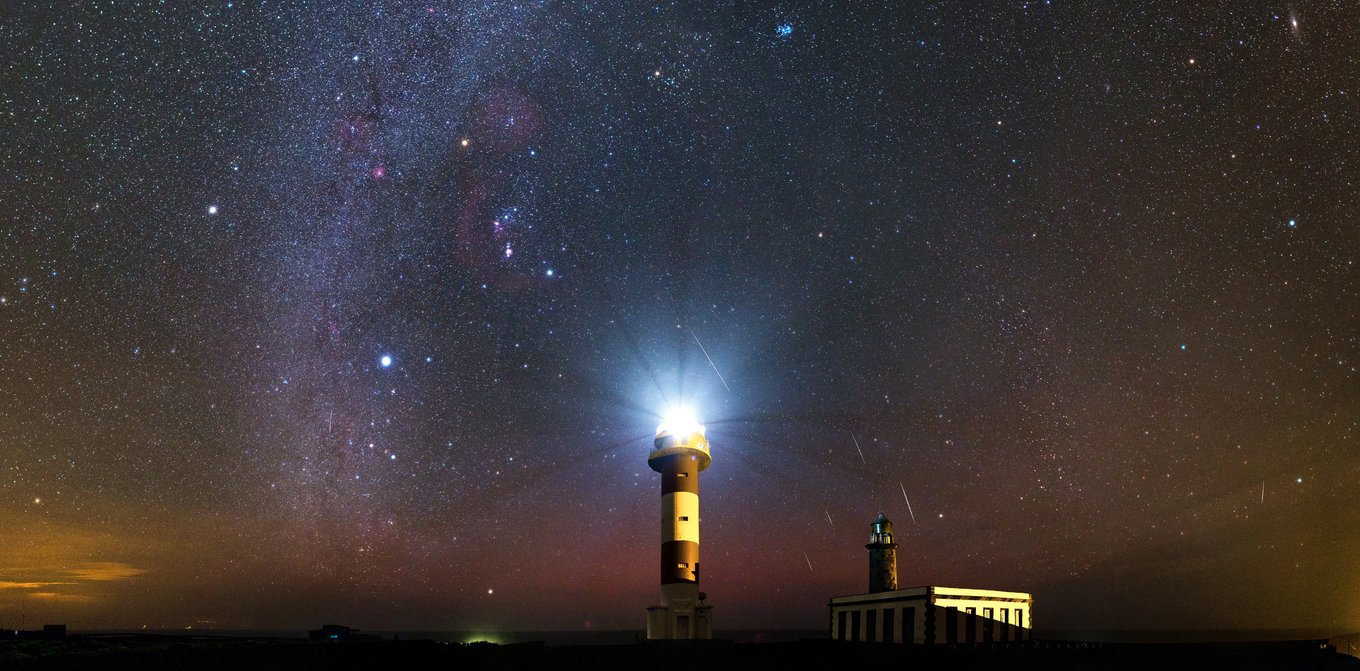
[366, 313]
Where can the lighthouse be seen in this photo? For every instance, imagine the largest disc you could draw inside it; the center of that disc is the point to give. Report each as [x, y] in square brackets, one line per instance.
[679, 454]
[882, 556]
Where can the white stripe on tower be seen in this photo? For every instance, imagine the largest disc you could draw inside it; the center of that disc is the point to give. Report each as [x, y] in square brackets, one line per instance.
[680, 517]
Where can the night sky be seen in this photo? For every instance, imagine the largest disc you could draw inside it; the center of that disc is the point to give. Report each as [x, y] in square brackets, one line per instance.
[367, 313]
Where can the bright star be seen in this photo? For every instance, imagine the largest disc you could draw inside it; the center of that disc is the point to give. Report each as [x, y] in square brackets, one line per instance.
[385, 361]
[549, 273]
[784, 29]
[1293, 224]
[212, 209]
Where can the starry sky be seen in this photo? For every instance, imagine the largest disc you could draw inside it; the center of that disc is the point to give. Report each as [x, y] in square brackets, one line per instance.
[366, 311]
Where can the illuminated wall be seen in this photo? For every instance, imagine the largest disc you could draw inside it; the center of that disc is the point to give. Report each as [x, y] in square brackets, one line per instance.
[933, 615]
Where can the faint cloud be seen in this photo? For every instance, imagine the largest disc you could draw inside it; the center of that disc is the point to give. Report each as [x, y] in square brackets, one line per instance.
[10, 584]
[59, 596]
[107, 570]
[63, 584]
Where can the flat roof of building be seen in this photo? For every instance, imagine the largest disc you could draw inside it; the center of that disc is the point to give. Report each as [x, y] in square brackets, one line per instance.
[927, 591]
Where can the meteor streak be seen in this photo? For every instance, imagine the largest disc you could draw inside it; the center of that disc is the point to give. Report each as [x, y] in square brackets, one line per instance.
[710, 359]
[904, 498]
[861, 452]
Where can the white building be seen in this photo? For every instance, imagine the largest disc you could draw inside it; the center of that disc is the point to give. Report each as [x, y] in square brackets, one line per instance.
[926, 615]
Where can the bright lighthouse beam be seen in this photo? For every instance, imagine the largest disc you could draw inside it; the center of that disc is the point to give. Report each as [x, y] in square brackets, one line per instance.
[680, 420]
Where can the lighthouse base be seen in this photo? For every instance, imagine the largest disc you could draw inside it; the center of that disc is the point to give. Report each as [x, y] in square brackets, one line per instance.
[680, 621]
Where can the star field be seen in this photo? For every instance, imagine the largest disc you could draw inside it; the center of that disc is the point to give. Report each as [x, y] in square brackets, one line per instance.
[365, 312]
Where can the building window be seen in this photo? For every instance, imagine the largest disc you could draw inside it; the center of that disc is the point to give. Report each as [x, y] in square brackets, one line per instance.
[987, 625]
[871, 625]
[889, 636]
[854, 625]
[682, 565]
[682, 474]
[840, 625]
[1019, 617]
[951, 624]
[684, 518]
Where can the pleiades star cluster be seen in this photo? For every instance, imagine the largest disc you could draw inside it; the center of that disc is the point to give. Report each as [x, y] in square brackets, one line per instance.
[365, 311]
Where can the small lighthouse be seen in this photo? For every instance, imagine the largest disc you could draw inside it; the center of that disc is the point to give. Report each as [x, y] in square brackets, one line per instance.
[882, 556]
[679, 453]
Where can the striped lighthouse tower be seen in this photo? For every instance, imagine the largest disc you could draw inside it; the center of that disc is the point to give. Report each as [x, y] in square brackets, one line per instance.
[680, 452]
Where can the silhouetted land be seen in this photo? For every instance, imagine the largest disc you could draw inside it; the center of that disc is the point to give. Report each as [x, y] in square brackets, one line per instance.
[224, 653]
